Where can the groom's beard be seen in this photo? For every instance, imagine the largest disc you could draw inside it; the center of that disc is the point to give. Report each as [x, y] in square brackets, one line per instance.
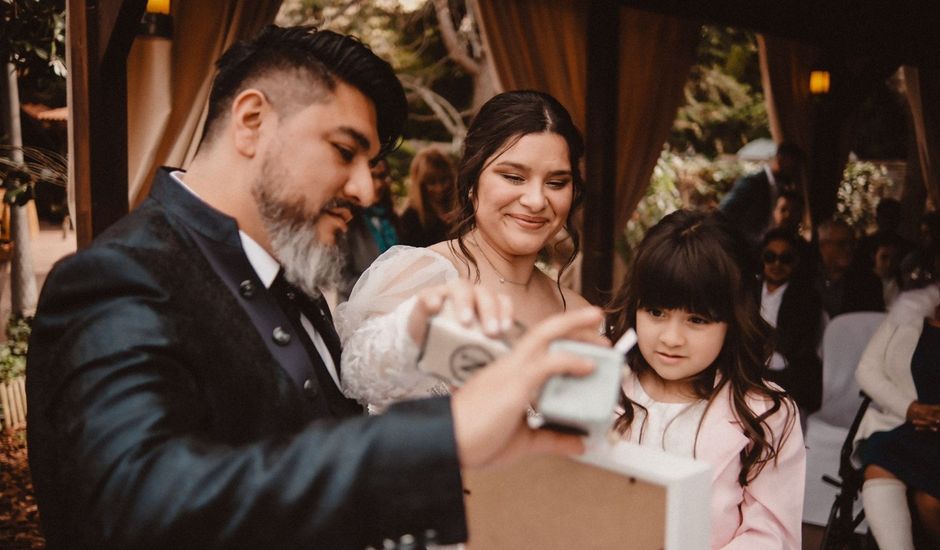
[308, 264]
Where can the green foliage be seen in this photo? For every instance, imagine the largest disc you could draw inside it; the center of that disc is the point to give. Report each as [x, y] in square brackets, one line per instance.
[863, 185]
[724, 108]
[13, 351]
[680, 181]
[733, 51]
[32, 37]
[720, 114]
[406, 33]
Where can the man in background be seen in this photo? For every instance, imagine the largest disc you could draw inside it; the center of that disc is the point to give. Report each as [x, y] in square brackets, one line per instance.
[752, 198]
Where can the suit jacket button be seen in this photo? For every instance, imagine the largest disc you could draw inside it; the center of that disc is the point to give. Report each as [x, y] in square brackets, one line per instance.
[246, 288]
[310, 389]
[281, 337]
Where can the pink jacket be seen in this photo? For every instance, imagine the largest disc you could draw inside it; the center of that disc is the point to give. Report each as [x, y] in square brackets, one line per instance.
[767, 513]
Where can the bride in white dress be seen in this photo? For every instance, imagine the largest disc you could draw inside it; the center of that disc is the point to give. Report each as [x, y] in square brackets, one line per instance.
[518, 186]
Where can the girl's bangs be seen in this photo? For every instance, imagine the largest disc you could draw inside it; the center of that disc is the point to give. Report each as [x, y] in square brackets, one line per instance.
[674, 279]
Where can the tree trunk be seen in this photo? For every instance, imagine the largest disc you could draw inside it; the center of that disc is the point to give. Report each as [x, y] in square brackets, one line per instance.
[23, 293]
[484, 85]
[474, 62]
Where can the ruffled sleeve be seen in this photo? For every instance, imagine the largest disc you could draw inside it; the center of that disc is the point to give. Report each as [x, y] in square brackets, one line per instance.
[379, 363]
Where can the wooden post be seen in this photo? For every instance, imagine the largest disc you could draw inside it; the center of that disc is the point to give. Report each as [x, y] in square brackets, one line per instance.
[13, 403]
[603, 61]
[100, 33]
[5, 407]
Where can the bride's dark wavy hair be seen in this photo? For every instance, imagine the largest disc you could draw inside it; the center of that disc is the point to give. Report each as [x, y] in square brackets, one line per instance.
[697, 262]
[500, 124]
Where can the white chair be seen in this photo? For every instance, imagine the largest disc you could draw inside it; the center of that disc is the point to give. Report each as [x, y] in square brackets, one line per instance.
[844, 341]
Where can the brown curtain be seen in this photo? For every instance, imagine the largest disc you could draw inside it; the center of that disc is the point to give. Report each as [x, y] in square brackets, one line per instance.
[921, 87]
[785, 67]
[168, 83]
[543, 44]
[656, 54]
[540, 45]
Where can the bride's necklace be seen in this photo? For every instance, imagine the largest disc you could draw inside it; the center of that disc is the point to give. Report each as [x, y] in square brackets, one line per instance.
[499, 276]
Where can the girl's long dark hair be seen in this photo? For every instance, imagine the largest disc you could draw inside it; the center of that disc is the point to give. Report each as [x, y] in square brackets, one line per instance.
[500, 123]
[698, 262]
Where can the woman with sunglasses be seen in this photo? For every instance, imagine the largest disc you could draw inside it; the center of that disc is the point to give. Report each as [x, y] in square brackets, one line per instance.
[791, 305]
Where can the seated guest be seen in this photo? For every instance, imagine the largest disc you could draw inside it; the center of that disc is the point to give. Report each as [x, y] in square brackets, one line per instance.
[794, 308]
[886, 265]
[898, 441]
[788, 211]
[431, 191]
[929, 230]
[888, 219]
[788, 216]
[927, 237]
[843, 288]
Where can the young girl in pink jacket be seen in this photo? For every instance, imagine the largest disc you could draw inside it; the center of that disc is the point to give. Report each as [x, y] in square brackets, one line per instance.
[695, 385]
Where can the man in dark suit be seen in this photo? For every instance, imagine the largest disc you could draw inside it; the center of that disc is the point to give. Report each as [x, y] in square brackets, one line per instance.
[792, 306]
[843, 285]
[182, 370]
[752, 198]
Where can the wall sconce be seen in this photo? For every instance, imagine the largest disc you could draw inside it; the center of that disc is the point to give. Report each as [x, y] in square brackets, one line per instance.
[819, 82]
[157, 20]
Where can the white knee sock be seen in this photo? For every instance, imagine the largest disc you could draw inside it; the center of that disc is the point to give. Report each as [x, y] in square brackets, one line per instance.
[887, 512]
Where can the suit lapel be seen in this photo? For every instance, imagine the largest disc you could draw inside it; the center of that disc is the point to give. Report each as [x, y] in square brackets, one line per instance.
[216, 237]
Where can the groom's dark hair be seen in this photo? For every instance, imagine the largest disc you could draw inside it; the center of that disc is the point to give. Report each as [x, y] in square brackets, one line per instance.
[307, 64]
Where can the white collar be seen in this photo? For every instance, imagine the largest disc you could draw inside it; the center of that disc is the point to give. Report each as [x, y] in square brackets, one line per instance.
[770, 176]
[264, 264]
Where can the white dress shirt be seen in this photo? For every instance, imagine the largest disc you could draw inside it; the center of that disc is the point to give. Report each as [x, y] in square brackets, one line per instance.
[266, 267]
[770, 310]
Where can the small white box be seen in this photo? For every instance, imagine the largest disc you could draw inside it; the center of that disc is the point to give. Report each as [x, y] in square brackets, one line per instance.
[584, 403]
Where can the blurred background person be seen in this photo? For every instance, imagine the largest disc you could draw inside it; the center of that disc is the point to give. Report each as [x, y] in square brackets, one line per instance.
[886, 257]
[842, 284]
[431, 191]
[371, 231]
[752, 199]
[898, 440]
[792, 306]
[788, 216]
[887, 221]
[788, 211]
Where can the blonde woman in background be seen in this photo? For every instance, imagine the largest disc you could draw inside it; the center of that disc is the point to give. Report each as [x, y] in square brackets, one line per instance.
[430, 198]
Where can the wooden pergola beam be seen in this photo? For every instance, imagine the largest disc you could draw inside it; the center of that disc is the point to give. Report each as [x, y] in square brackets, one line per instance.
[600, 158]
[100, 34]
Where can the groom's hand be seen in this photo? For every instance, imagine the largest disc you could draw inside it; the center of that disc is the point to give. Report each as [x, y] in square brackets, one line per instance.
[490, 409]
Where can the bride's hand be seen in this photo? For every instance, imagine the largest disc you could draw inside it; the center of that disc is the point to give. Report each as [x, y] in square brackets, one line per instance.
[470, 303]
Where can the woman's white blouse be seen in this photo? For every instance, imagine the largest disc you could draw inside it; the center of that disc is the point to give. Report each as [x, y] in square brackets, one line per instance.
[379, 361]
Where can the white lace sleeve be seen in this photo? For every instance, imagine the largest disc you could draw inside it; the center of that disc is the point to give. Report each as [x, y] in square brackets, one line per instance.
[379, 364]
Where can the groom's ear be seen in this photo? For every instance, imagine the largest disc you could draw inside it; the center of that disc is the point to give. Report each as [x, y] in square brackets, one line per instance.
[252, 117]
